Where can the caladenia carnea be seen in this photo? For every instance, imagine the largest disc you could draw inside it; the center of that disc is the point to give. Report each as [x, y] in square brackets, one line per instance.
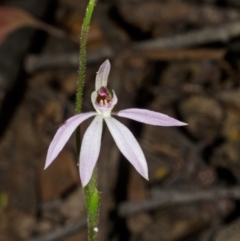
[104, 101]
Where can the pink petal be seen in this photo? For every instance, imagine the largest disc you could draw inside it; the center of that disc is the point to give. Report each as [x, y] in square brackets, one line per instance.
[128, 145]
[102, 75]
[149, 117]
[90, 149]
[63, 134]
[114, 99]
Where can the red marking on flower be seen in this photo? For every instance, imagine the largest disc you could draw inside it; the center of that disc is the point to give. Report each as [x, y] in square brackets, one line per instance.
[104, 97]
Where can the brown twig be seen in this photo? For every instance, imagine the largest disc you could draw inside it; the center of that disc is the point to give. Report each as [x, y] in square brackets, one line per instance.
[221, 33]
[34, 63]
[177, 197]
[62, 233]
[197, 54]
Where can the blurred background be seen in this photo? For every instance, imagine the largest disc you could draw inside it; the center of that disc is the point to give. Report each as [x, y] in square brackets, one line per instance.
[178, 57]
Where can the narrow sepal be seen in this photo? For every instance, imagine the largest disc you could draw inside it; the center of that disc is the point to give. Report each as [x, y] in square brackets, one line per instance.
[63, 134]
[90, 149]
[102, 75]
[149, 117]
[128, 145]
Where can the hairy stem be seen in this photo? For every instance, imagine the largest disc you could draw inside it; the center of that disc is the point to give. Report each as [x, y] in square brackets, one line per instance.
[92, 200]
[90, 191]
[82, 54]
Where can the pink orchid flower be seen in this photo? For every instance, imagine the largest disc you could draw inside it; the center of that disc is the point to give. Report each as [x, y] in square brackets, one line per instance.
[103, 102]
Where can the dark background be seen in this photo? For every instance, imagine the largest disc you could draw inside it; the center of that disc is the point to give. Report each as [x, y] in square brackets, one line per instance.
[178, 57]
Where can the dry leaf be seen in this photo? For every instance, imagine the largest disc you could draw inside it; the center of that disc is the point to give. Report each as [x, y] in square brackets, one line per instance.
[12, 19]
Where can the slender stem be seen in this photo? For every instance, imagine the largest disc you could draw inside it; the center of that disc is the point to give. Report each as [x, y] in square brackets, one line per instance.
[90, 191]
[92, 200]
[82, 54]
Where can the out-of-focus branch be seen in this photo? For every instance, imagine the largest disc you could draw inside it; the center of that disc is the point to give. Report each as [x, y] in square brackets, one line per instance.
[221, 33]
[164, 48]
[70, 60]
[177, 197]
[37, 62]
[193, 54]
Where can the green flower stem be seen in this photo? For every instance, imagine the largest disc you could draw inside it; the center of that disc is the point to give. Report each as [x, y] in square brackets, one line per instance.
[92, 200]
[90, 191]
[82, 55]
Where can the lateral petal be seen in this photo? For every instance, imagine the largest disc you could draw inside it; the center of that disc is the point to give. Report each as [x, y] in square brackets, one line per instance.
[90, 149]
[149, 117]
[102, 75]
[63, 134]
[128, 145]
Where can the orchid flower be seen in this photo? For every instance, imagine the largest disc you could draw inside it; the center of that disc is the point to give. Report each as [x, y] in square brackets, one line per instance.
[103, 102]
